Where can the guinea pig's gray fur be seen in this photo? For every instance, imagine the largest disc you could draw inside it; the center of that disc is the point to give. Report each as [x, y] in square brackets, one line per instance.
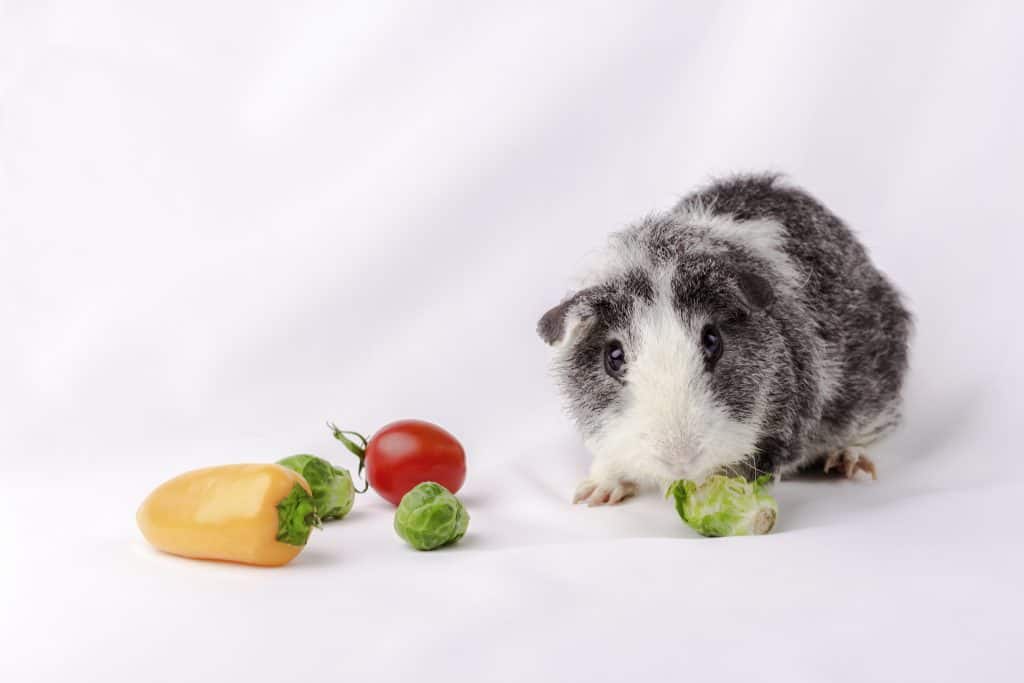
[744, 331]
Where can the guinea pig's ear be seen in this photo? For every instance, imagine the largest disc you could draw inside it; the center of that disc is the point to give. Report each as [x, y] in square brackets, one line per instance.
[558, 326]
[756, 291]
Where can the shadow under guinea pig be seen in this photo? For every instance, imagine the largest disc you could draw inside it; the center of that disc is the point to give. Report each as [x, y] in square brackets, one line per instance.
[812, 498]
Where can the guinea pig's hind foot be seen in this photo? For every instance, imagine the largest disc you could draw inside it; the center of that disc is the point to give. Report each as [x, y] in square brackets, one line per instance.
[604, 492]
[849, 461]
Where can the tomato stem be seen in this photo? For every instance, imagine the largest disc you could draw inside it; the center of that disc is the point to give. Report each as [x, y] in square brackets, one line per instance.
[358, 450]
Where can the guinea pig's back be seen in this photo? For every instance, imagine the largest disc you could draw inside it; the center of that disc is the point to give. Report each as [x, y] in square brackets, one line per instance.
[822, 248]
[860, 322]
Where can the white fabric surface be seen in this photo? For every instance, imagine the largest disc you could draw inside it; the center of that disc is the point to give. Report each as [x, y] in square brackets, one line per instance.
[225, 223]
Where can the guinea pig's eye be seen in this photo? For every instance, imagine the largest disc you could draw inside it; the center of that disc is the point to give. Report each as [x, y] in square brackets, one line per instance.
[614, 359]
[711, 343]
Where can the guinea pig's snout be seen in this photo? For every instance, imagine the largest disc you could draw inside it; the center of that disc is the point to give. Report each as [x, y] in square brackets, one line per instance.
[679, 459]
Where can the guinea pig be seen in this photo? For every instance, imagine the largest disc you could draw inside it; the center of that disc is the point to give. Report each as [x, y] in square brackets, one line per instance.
[743, 332]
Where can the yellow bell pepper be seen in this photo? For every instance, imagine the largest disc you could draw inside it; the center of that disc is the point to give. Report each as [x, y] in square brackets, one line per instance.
[254, 514]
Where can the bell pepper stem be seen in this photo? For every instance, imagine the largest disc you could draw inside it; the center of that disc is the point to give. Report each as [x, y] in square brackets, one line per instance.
[296, 516]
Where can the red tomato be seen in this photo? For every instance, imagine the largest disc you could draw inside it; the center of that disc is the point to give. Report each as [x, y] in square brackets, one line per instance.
[408, 452]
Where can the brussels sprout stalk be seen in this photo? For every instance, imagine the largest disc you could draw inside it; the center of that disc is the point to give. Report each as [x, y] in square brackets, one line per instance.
[726, 506]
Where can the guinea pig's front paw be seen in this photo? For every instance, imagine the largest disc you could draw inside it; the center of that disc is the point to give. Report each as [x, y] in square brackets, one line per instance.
[600, 492]
[849, 461]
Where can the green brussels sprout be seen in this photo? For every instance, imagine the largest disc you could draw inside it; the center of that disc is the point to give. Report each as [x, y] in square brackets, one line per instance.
[429, 517]
[333, 492]
[726, 506]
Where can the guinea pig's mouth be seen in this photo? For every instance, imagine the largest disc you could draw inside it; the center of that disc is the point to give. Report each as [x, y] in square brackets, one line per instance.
[683, 467]
[697, 468]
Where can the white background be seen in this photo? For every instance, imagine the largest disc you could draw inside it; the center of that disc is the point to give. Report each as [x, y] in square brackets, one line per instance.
[225, 223]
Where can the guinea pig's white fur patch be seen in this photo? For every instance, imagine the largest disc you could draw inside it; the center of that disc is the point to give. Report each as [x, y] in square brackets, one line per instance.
[668, 426]
[762, 237]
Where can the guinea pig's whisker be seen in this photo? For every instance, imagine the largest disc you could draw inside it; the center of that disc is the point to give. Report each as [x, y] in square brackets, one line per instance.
[753, 466]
